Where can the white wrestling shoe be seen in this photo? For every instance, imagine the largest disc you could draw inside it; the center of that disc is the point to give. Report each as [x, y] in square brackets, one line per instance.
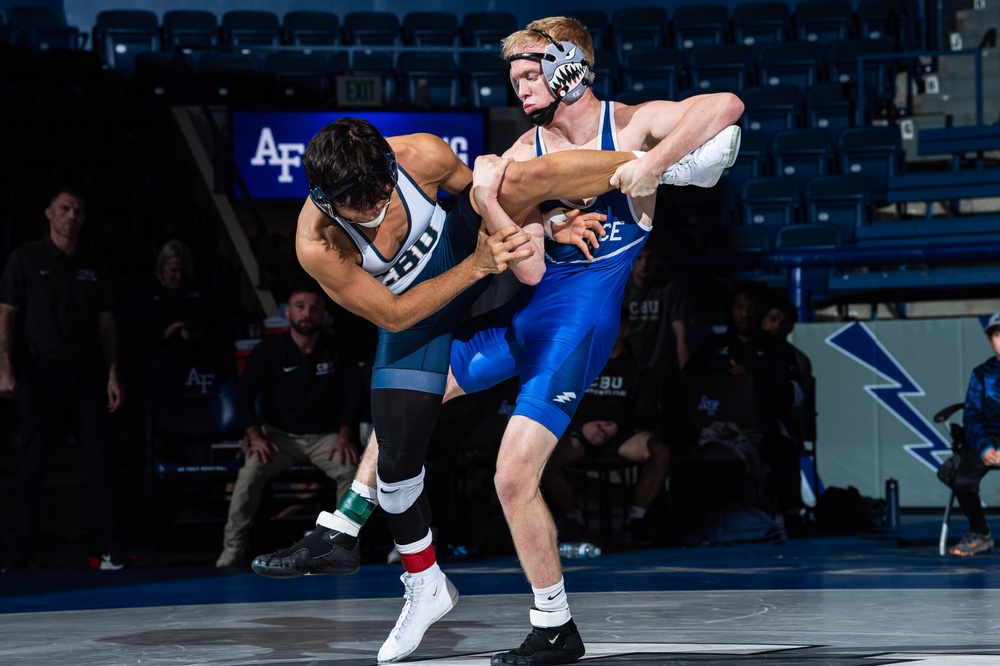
[429, 596]
[703, 166]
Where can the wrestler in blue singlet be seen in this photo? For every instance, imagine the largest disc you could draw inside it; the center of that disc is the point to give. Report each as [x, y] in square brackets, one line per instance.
[557, 335]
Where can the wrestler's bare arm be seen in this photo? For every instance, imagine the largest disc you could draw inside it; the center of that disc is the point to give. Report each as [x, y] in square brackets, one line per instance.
[326, 255]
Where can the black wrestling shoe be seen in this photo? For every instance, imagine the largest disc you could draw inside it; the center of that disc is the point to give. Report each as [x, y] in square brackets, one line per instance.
[322, 551]
[558, 645]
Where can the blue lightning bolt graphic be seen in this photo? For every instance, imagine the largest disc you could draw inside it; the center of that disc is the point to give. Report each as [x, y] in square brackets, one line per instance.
[859, 344]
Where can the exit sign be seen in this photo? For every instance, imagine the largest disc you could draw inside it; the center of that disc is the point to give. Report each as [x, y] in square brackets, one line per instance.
[359, 91]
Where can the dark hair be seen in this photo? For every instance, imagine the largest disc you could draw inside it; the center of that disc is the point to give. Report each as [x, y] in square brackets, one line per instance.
[783, 304]
[754, 289]
[350, 150]
[306, 286]
[73, 192]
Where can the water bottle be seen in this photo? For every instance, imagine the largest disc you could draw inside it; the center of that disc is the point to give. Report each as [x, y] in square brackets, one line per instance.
[577, 551]
[892, 502]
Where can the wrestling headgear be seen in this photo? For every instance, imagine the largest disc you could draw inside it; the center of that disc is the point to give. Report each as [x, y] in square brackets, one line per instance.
[566, 71]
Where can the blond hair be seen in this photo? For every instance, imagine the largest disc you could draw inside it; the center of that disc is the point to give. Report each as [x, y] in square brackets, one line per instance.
[559, 28]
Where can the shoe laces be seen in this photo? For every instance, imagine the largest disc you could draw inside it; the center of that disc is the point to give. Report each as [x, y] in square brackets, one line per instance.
[411, 587]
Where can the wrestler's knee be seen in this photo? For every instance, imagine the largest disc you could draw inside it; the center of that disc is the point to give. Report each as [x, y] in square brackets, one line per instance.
[398, 496]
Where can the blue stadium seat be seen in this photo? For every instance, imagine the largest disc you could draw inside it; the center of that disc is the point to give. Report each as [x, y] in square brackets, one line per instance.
[607, 73]
[790, 63]
[814, 235]
[45, 28]
[230, 78]
[758, 23]
[751, 162]
[299, 79]
[244, 27]
[429, 80]
[487, 80]
[725, 67]
[873, 152]
[597, 23]
[878, 75]
[190, 28]
[839, 200]
[636, 28]
[486, 29]
[653, 71]
[770, 203]
[121, 34]
[897, 20]
[431, 28]
[700, 25]
[802, 154]
[311, 28]
[770, 109]
[372, 28]
[829, 106]
[823, 21]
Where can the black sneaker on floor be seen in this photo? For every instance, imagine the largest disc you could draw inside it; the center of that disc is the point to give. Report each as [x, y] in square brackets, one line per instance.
[559, 645]
[322, 551]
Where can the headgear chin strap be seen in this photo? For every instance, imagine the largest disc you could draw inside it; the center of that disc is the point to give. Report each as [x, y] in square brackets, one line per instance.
[566, 72]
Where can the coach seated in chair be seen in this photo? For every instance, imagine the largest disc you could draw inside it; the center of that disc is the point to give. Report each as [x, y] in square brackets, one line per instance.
[307, 383]
[747, 349]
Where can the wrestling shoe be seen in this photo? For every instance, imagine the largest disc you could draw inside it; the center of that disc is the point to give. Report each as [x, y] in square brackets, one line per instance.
[972, 544]
[703, 166]
[322, 551]
[556, 645]
[429, 596]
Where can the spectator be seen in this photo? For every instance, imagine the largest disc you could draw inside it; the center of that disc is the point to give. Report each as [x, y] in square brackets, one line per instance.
[615, 418]
[308, 385]
[981, 421]
[746, 348]
[60, 290]
[657, 318]
[171, 316]
[658, 332]
[780, 321]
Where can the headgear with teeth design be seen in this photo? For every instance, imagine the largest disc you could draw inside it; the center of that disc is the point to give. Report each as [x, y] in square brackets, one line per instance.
[566, 71]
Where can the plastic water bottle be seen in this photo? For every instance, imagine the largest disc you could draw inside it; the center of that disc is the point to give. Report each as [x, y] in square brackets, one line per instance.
[892, 502]
[577, 551]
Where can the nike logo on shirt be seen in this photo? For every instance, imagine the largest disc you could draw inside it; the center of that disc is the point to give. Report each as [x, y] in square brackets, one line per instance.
[290, 368]
[42, 271]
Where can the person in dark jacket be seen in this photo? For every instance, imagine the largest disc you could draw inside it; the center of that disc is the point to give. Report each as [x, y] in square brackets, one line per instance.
[308, 385]
[981, 421]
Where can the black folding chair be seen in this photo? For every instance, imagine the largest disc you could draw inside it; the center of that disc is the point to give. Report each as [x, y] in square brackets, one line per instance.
[956, 433]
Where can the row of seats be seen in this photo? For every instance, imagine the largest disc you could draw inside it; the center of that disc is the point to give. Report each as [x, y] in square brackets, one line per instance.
[875, 152]
[119, 32]
[662, 72]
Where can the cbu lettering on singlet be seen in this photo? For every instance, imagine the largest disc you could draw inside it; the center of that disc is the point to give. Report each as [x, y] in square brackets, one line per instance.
[622, 226]
[425, 220]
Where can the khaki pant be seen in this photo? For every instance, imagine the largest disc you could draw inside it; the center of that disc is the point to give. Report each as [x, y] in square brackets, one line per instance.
[254, 476]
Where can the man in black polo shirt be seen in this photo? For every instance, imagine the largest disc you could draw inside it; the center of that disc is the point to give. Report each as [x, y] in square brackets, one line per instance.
[309, 387]
[60, 291]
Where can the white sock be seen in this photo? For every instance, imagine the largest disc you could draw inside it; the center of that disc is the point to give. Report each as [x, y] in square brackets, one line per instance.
[367, 492]
[551, 599]
[416, 546]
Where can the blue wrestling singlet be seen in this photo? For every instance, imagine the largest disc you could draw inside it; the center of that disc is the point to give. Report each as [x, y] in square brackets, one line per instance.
[558, 335]
[417, 358]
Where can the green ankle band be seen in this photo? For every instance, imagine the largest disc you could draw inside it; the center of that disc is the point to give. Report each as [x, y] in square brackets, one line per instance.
[356, 507]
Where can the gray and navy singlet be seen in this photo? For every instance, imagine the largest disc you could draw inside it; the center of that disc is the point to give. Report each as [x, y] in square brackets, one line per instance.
[558, 334]
[417, 358]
